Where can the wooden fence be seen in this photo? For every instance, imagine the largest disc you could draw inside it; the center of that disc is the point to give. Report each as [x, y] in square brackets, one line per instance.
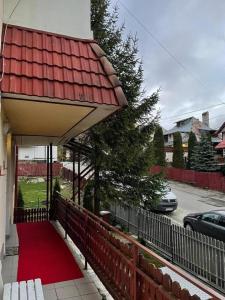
[37, 169]
[198, 254]
[26, 215]
[122, 264]
[67, 174]
[210, 180]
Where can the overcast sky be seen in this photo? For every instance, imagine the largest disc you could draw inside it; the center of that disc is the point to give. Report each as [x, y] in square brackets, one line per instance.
[188, 61]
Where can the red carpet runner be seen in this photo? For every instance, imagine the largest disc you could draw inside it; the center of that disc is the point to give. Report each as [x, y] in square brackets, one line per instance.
[43, 254]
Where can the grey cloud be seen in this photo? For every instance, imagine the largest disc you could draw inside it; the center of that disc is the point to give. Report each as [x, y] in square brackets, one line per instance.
[194, 32]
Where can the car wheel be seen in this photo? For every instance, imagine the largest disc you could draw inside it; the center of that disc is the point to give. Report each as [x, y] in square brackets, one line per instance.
[189, 227]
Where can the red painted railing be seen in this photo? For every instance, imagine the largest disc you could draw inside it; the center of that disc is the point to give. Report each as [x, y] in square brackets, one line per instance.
[122, 264]
[26, 215]
[210, 180]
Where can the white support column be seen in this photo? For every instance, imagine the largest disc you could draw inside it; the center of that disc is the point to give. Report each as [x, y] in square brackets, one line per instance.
[10, 182]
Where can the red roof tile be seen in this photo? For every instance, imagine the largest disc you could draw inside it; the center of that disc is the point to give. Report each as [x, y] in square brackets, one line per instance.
[49, 65]
[221, 145]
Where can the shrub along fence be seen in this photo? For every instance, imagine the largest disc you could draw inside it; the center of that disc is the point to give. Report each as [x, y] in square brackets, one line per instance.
[210, 180]
[200, 255]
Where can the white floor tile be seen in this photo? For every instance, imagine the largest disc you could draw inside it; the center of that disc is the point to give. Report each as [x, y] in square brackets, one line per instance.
[64, 283]
[92, 297]
[49, 286]
[82, 280]
[50, 294]
[87, 288]
[67, 292]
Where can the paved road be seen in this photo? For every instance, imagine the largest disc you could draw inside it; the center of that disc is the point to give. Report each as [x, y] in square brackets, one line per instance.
[192, 199]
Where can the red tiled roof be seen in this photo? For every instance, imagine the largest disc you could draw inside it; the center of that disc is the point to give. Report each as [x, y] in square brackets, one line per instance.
[221, 145]
[48, 65]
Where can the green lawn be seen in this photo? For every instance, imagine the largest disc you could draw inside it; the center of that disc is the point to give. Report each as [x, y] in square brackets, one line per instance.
[34, 194]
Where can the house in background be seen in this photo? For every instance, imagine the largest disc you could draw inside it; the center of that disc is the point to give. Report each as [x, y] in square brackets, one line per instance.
[35, 153]
[186, 126]
[220, 147]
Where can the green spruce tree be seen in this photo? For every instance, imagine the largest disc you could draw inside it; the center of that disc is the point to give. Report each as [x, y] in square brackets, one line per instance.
[20, 202]
[57, 188]
[192, 141]
[202, 158]
[178, 153]
[88, 199]
[121, 145]
[159, 150]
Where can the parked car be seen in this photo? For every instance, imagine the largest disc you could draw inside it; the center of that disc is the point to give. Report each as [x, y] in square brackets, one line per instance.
[210, 223]
[168, 203]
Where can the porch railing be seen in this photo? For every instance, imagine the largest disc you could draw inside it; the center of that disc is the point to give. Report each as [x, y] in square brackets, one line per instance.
[124, 265]
[198, 254]
[26, 215]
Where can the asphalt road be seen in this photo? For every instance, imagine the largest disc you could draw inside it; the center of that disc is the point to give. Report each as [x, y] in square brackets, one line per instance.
[192, 199]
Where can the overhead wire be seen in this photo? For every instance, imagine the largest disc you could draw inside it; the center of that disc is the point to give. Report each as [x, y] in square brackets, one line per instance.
[161, 45]
[193, 111]
[172, 56]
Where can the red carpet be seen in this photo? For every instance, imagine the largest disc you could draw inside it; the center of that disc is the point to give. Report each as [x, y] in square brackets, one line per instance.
[43, 254]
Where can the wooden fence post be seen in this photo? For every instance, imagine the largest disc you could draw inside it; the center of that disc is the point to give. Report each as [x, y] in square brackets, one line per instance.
[66, 219]
[138, 224]
[135, 261]
[86, 239]
[128, 218]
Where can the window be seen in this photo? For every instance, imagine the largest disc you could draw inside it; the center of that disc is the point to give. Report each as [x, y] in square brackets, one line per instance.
[211, 218]
[222, 221]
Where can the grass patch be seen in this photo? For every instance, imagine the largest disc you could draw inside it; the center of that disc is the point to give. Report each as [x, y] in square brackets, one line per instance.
[152, 260]
[34, 194]
[66, 189]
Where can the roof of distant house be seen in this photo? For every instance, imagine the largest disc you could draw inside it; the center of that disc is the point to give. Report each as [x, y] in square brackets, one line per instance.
[186, 127]
[49, 65]
[221, 145]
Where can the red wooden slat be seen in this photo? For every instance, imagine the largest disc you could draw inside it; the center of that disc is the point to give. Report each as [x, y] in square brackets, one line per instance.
[121, 266]
[30, 215]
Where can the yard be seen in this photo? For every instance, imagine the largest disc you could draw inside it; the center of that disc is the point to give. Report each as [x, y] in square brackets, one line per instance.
[34, 193]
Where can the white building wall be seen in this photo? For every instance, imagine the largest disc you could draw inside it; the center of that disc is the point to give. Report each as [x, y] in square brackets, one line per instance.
[169, 156]
[3, 177]
[68, 17]
[36, 153]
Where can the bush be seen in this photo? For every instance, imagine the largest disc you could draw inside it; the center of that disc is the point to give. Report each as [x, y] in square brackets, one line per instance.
[57, 188]
[88, 199]
[20, 202]
[222, 169]
[178, 153]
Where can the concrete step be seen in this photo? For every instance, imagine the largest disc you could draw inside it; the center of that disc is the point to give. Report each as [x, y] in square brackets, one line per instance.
[12, 241]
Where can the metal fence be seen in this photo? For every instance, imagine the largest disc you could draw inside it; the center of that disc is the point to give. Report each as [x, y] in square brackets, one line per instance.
[200, 255]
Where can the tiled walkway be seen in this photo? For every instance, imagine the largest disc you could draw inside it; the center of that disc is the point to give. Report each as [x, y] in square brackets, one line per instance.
[87, 288]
